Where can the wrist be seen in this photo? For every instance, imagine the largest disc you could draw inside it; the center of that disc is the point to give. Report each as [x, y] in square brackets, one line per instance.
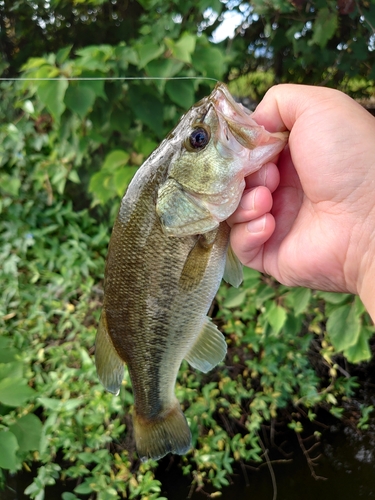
[366, 283]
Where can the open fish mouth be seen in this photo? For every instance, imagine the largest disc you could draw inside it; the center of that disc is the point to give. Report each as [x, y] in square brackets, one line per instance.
[238, 119]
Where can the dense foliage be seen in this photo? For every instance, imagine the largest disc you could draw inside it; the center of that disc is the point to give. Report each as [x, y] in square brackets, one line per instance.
[68, 149]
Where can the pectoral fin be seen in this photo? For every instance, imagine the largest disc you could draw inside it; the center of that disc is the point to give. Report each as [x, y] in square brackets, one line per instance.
[180, 213]
[197, 261]
[209, 348]
[233, 272]
[109, 366]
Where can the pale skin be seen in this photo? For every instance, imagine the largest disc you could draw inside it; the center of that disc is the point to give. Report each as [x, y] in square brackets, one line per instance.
[308, 219]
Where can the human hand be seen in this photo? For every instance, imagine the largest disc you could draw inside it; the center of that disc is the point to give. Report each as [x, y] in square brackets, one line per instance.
[320, 232]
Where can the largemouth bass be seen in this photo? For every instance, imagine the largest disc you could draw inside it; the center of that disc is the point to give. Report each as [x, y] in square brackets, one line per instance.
[167, 255]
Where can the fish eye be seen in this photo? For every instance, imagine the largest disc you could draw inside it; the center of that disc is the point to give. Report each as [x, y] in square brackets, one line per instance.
[198, 139]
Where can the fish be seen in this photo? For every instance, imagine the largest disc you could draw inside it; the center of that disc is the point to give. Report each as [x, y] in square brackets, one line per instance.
[168, 252]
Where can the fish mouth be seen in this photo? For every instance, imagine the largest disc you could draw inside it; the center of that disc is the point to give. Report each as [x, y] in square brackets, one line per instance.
[238, 119]
[234, 115]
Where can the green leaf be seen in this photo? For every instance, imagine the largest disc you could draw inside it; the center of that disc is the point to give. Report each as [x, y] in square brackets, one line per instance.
[4, 343]
[11, 370]
[74, 177]
[8, 449]
[148, 4]
[209, 61]
[15, 392]
[276, 318]
[50, 403]
[63, 54]
[52, 93]
[84, 488]
[265, 292]
[94, 57]
[164, 68]
[28, 431]
[335, 298]
[122, 179]
[99, 186]
[34, 62]
[127, 55]
[10, 184]
[120, 120]
[71, 404]
[68, 496]
[183, 48]
[147, 108]
[7, 354]
[215, 5]
[300, 298]
[324, 27]
[360, 351]
[145, 145]
[147, 52]
[181, 92]
[115, 159]
[235, 298]
[97, 86]
[80, 99]
[343, 327]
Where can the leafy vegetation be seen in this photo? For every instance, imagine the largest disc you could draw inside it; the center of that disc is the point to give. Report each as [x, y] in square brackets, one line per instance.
[68, 149]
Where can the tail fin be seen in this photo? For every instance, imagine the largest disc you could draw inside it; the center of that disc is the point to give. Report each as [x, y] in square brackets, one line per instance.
[168, 432]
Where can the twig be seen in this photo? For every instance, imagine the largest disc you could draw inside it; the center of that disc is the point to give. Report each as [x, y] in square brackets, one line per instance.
[279, 461]
[231, 434]
[192, 488]
[272, 432]
[272, 474]
[280, 450]
[244, 472]
[310, 462]
[341, 370]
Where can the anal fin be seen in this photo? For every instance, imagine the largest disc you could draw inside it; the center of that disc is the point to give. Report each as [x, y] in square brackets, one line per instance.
[209, 348]
[233, 272]
[109, 366]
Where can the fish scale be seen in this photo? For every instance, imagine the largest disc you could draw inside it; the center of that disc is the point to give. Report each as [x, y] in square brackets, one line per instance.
[167, 255]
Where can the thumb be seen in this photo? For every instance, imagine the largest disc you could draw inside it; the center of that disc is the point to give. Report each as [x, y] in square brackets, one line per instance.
[283, 104]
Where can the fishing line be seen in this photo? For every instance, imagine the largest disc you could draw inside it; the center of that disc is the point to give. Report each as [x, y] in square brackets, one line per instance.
[104, 78]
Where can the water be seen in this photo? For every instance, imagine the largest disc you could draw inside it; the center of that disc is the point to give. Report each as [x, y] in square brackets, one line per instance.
[346, 458]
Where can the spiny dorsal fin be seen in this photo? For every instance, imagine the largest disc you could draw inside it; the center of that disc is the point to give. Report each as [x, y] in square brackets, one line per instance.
[109, 366]
[233, 272]
[209, 348]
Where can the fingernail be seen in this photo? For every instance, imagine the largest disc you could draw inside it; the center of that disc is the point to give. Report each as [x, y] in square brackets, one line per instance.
[257, 225]
[248, 200]
[265, 170]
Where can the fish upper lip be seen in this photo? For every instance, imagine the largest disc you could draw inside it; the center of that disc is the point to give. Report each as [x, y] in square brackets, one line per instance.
[222, 95]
